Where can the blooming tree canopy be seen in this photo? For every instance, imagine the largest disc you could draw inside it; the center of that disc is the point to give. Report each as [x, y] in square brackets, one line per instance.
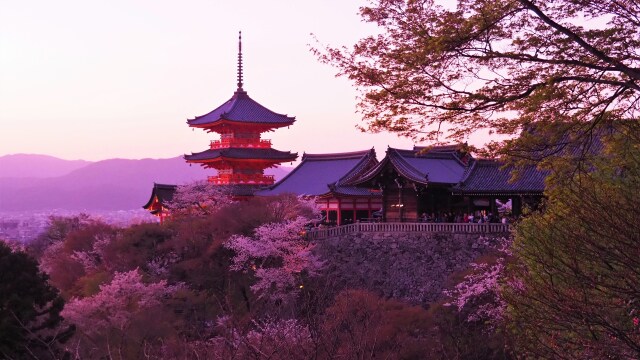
[479, 294]
[279, 254]
[116, 303]
[199, 198]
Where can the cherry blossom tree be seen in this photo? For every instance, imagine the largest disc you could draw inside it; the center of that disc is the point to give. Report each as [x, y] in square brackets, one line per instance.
[116, 320]
[116, 302]
[199, 198]
[269, 338]
[479, 294]
[279, 255]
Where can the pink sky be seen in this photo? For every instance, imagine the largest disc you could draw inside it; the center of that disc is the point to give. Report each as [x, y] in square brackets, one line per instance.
[103, 79]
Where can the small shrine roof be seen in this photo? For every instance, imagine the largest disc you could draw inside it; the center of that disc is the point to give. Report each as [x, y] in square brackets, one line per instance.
[319, 174]
[242, 153]
[163, 192]
[492, 177]
[241, 108]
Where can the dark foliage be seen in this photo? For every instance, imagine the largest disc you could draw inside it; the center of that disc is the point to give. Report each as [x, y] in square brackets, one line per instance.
[29, 310]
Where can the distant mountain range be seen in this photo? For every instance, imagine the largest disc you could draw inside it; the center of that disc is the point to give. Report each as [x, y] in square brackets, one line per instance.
[40, 182]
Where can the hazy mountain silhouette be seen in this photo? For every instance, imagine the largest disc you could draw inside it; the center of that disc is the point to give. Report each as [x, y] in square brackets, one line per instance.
[37, 166]
[115, 184]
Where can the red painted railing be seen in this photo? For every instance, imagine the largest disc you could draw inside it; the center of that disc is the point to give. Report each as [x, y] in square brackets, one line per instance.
[240, 143]
[226, 179]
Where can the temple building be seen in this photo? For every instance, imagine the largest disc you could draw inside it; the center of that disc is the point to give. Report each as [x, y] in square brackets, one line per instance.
[438, 183]
[241, 155]
[417, 181]
[445, 182]
[489, 183]
[324, 176]
[161, 195]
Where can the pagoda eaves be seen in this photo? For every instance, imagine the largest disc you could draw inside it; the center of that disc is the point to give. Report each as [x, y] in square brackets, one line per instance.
[240, 154]
[241, 111]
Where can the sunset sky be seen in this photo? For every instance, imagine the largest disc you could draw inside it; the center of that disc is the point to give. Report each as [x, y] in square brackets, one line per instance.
[102, 79]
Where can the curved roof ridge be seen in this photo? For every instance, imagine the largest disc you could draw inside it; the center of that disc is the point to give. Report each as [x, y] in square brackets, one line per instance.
[406, 169]
[163, 192]
[455, 151]
[319, 172]
[242, 108]
[158, 185]
[370, 174]
[337, 156]
[368, 157]
[374, 170]
[468, 171]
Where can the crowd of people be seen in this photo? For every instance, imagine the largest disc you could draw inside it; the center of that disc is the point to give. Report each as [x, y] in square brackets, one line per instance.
[478, 217]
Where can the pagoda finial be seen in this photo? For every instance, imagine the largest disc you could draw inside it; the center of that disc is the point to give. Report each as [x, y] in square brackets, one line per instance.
[240, 61]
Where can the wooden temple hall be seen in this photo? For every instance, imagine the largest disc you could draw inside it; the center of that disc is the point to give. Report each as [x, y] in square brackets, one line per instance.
[440, 184]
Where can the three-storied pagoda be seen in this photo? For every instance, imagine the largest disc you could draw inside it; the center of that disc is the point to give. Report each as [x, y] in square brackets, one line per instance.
[241, 155]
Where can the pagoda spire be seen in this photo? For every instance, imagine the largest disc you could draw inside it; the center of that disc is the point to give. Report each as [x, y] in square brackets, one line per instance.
[240, 61]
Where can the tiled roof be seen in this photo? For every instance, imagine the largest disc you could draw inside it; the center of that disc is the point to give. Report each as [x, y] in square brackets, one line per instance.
[242, 108]
[354, 191]
[432, 167]
[242, 153]
[572, 141]
[317, 172]
[489, 177]
[164, 193]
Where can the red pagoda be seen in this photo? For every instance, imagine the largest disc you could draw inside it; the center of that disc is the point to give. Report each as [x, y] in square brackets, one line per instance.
[241, 155]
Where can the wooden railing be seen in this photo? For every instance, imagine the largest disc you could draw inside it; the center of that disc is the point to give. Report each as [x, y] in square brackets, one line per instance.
[453, 228]
[240, 143]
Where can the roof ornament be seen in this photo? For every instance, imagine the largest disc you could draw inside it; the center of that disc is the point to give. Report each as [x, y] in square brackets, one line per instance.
[240, 61]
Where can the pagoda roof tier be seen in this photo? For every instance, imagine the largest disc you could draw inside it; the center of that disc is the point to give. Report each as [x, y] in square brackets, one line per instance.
[321, 174]
[492, 177]
[437, 166]
[256, 154]
[241, 110]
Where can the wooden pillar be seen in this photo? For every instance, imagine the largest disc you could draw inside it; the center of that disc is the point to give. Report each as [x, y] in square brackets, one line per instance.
[492, 206]
[384, 206]
[400, 204]
[354, 210]
[339, 212]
